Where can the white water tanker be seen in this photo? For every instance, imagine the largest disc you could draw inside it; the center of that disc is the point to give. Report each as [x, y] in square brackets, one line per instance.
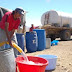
[57, 24]
[56, 17]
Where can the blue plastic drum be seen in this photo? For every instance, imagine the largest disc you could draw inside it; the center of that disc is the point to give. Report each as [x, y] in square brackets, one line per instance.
[20, 39]
[31, 41]
[41, 39]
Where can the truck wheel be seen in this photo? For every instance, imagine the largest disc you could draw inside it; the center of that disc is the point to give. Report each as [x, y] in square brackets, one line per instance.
[51, 36]
[65, 35]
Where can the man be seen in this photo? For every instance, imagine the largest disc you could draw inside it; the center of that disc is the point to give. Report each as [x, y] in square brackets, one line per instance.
[21, 28]
[31, 28]
[8, 24]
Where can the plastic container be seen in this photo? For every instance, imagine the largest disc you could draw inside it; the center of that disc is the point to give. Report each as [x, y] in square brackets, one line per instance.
[41, 39]
[31, 41]
[20, 39]
[48, 42]
[7, 61]
[52, 61]
[54, 42]
[29, 67]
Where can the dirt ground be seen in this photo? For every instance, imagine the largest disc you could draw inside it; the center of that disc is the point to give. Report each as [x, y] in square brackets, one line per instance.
[64, 52]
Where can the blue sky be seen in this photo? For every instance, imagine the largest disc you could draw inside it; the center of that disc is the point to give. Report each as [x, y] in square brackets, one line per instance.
[36, 8]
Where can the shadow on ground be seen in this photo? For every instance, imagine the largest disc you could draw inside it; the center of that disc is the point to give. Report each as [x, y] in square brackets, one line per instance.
[49, 70]
[65, 40]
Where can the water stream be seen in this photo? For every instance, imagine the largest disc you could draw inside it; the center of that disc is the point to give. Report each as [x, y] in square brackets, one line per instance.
[26, 61]
[24, 56]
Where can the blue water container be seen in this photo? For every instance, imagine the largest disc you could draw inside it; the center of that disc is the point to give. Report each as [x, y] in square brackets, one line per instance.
[41, 39]
[52, 59]
[20, 40]
[31, 41]
[54, 42]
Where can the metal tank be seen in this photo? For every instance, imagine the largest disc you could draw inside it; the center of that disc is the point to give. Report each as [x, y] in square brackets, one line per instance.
[53, 17]
[3, 11]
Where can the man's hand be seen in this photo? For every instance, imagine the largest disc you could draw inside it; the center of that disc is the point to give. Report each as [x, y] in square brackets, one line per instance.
[10, 43]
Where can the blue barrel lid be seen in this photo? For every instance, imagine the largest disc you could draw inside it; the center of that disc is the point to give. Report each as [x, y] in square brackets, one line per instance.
[20, 33]
[38, 29]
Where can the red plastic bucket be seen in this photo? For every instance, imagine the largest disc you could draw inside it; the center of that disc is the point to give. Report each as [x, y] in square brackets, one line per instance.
[29, 67]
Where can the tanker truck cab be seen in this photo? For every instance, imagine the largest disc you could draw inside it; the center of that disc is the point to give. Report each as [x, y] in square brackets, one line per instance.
[57, 24]
[2, 12]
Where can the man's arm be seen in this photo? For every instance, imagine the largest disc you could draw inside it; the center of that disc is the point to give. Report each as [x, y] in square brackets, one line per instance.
[6, 30]
[12, 32]
[23, 29]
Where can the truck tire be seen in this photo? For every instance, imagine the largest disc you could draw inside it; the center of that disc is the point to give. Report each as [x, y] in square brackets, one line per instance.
[65, 35]
[53, 37]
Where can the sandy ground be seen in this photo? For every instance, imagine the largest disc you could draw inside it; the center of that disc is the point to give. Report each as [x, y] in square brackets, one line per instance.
[64, 52]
